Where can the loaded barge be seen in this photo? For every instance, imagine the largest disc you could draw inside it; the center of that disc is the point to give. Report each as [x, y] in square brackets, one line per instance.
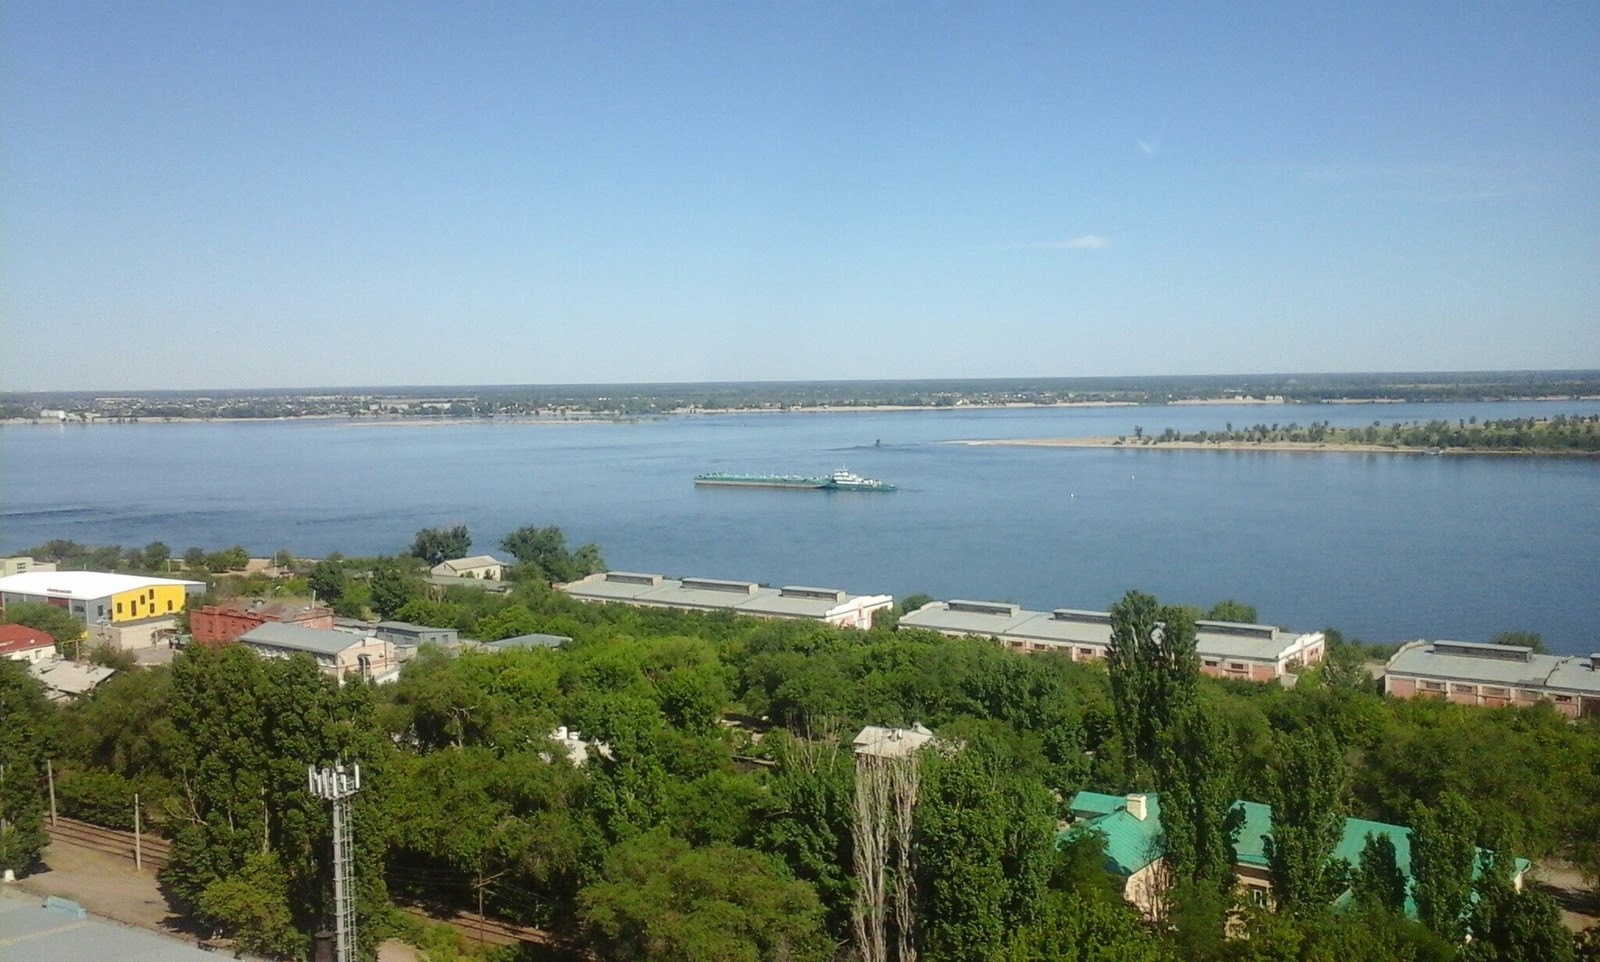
[840, 480]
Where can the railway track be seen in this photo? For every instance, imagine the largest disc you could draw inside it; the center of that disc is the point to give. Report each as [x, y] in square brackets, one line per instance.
[153, 849]
[475, 928]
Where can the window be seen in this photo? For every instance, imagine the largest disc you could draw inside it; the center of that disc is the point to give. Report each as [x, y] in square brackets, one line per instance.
[1496, 693]
[1212, 662]
[1433, 686]
[1563, 699]
[1464, 689]
[119, 607]
[169, 605]
[1085, 652]
[1236, 665]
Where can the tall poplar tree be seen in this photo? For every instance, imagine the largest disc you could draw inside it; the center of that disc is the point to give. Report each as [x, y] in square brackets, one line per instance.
[1307, 795]
[1154, 673]
[1378, 881]
[1443, 852]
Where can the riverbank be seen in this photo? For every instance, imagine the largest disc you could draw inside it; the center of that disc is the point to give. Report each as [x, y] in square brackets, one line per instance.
[1150, 444]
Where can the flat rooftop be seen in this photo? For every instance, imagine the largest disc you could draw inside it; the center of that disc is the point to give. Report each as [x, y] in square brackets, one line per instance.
[1069, 627]
[1506, 665]
[29, 931]
[718, 594]
[85, 585]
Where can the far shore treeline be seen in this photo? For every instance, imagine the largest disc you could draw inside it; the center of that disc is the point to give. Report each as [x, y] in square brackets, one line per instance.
[720, 823]
[636, 400]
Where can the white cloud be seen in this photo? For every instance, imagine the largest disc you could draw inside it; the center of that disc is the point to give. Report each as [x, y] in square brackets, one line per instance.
[1149, 146]
[1088, 242]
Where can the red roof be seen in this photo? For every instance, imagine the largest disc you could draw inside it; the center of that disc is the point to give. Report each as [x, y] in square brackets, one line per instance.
[14, 638]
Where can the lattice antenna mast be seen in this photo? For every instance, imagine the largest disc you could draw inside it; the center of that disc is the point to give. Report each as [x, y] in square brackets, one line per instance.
[337, 785]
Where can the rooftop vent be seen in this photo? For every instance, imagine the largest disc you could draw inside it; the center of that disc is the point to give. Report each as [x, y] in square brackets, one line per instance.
[818, 594]
[1081, 617]
[718, 584]
[985, 608]
[629, 578]
[1237, 630]
[1472, 649]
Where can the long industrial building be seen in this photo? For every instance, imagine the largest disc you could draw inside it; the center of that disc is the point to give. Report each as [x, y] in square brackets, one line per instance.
[1469, 673]
[1226, 649]
[829, 605]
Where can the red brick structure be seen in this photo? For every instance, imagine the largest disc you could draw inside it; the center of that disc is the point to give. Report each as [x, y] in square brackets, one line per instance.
[219, 624]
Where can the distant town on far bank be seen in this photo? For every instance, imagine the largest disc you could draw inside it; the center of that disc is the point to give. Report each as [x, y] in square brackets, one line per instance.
[644, 400]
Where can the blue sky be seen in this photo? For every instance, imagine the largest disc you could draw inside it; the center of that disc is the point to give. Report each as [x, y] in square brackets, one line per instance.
[206, 195]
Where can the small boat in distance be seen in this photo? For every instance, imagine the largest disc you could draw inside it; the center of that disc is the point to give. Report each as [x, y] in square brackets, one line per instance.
[840, 480]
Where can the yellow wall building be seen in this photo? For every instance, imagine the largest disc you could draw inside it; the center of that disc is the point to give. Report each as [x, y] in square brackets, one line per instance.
[98, 598]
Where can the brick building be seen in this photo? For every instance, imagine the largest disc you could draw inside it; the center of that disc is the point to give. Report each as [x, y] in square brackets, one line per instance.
[218, 624]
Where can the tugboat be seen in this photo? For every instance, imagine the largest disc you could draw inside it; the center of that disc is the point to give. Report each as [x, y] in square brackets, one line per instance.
[842, 480]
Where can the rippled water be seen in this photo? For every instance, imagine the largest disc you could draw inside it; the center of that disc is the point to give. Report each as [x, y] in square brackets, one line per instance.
[1385, 547]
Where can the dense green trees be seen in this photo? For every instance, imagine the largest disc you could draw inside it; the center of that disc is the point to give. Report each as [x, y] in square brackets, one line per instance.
[434, 545]
[725, 791]
[984, 850]
[543, 554]
[244, 731]
[658, 898]
[25, 723]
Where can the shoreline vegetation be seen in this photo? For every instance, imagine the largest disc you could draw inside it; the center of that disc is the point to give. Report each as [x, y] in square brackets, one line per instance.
[1561, 435]
[709, 765]
[631, 402]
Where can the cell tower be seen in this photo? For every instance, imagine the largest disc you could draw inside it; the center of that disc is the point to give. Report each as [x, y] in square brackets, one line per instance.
[337, 785]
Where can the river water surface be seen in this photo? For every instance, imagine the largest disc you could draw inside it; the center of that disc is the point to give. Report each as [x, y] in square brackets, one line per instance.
[1383, 546]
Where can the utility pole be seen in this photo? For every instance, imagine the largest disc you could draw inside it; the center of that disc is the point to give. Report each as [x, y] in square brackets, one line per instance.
[138, 836]
[50, 777]
[337, 785]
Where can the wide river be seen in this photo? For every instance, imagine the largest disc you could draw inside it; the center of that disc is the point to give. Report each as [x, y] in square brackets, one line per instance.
[1383, 546]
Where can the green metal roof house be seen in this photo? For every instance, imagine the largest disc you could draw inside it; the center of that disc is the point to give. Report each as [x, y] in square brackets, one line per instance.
[1135, 844]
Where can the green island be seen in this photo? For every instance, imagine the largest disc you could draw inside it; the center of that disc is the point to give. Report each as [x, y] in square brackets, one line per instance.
[1577, 435]
[715, 812]
[1562, 434]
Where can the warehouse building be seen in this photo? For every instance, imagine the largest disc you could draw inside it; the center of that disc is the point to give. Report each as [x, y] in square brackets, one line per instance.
[1469, 673]
[1226, 649]
[829, 605]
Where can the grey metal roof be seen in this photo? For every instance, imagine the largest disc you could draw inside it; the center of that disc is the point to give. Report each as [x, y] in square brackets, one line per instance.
[1089, 629]
[314, 641]
[529, 641]
[1420, 660]
[1576, 674]
[1209, 645]
[28, 931]
[941, 618]
[710, 594]
[1046, 627]
[608, 588]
